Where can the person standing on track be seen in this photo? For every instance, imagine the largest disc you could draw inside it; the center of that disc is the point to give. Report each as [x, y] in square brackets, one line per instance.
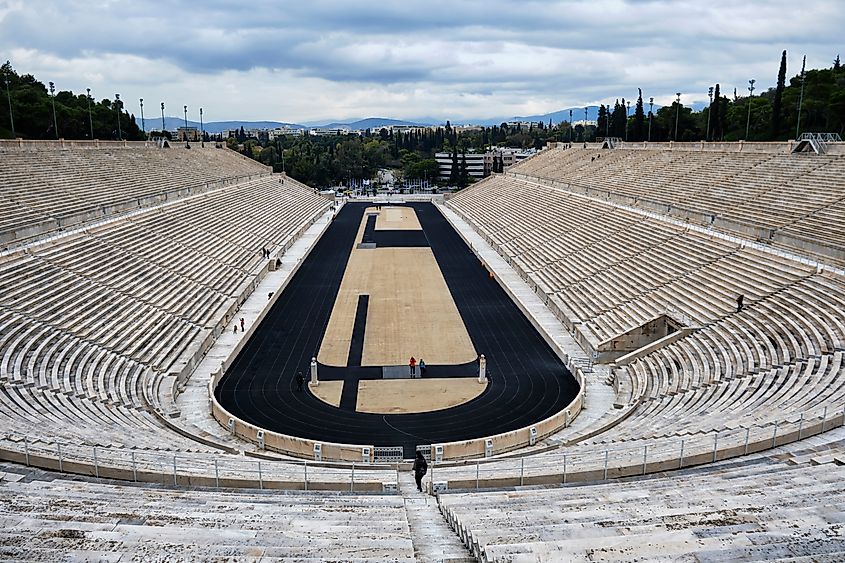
[299, 381]
[412, 365]
[420, 469]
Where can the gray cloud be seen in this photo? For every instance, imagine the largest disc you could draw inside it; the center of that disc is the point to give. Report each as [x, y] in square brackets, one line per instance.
[505, 55]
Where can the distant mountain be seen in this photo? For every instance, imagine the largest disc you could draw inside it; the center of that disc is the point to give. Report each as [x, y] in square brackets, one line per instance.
[221, 126]
[558, 116]
[172, 123]
[371, 123]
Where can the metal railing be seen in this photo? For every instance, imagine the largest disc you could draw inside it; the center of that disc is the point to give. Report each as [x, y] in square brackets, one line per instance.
[597, 463]
[192, 469]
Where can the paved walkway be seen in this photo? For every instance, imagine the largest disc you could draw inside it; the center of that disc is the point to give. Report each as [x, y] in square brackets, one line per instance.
[599, 397]
[434, 540]
[194, 401]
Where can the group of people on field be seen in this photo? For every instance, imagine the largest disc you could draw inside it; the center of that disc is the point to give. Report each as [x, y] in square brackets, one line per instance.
[412, 367]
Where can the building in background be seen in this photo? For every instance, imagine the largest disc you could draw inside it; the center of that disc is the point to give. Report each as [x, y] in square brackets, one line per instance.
[480, 165]
[509, 157]
[187, 133]
[475, 164]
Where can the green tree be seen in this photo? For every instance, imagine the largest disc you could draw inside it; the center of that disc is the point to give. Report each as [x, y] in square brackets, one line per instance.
[455, 173]
[639, 118]
[777, 107]
[463, 176]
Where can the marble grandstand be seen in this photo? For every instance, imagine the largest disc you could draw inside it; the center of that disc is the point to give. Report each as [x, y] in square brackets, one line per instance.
[721, 436]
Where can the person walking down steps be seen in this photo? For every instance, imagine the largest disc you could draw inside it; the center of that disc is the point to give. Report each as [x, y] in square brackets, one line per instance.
[412, 366]
[420, 469]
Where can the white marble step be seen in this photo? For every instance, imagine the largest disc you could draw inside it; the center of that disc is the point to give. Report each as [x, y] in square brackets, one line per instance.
[434, 541]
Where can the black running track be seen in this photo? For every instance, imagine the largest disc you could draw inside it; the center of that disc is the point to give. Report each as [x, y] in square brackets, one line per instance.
[528, 382]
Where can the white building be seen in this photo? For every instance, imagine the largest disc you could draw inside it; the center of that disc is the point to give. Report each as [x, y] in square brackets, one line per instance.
[509, 157]
[524, 125]
[283, 131]
[475, 164]
[324, 131]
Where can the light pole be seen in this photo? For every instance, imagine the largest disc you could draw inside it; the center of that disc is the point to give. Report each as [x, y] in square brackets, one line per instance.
[90, 119]
[143, 123]
[677, 114]
[117, 103]
[570, 127]
[162, 120]
[607, 121]
[585, 124]
[650, 116]
[750, 95]
[187, 145]
[709, 111]
[627, 114]
[11, 116]
[800, 98]
[202, 131]
[53, 100]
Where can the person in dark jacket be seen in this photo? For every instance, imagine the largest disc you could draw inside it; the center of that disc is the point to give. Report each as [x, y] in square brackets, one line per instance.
[420, 469]
[299, 381]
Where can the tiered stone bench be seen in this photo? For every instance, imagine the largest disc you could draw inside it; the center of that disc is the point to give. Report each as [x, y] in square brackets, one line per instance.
[763, 508]
[60, 519]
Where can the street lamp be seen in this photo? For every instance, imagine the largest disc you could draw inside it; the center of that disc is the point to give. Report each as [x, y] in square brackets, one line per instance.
[202, 131]
[650, 116]
[53, 99]
[607, 121]
[117, 104]
[143, 123]
[800, 98]
[750, 95]
[570, 127]
[187, 145]
[162, 120]
[627, 114]
[585, 124]
[11, 116]
[90, 119]
[709, 111]
[677, 114]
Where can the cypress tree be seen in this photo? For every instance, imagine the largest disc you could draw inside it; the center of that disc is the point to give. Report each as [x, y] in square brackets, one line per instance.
[715, 115]
[454, 175]
[463, 177]
[778, 101]
[639, 118]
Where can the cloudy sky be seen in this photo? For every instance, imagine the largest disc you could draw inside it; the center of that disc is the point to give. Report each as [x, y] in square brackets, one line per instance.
[316, 60]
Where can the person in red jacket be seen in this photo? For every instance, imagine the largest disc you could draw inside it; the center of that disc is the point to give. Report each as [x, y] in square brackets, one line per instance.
[413, 365]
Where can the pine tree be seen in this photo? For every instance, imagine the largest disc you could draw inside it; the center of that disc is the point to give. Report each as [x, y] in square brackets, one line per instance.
[836, 63]
[778, 101]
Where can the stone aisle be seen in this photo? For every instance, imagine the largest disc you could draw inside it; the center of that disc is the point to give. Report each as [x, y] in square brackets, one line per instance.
[434, 541]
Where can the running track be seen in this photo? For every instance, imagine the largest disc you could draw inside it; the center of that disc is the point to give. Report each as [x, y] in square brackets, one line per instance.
[528, 382]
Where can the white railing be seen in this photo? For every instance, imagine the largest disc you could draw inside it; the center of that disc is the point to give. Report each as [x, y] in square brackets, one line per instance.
[597, 462]
[196, 469]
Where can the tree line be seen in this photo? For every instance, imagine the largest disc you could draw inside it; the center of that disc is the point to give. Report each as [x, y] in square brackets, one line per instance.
[77, 116]
[771, 115]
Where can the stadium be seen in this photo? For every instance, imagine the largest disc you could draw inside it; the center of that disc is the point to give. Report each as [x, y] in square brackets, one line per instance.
[631, 349]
